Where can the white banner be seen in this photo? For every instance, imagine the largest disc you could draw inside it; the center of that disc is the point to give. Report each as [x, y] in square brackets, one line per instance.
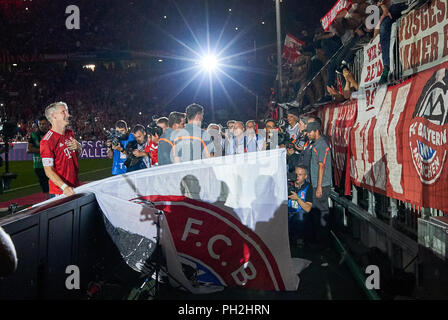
[423, 37]
[370, 75]
[225, 217]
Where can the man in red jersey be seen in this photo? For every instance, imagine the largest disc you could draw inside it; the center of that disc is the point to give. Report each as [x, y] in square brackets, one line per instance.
[59, 151]
[153, 144]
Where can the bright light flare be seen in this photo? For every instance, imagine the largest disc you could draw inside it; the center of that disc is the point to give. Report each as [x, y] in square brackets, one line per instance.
[209, 63]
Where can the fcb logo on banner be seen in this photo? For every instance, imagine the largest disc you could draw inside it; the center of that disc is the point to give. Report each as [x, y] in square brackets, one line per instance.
[428, 128]
[216, 244]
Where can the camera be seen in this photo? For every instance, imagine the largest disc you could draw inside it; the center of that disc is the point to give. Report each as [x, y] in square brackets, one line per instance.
[115, 136]
[153, 130]
[282, 124]
[291, 187]
[131, 159]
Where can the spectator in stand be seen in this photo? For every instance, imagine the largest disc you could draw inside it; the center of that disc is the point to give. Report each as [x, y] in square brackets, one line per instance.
[34, 148]
[293, 121]
[176, 121]
[317, 80]
[350, 85]
[390, 11]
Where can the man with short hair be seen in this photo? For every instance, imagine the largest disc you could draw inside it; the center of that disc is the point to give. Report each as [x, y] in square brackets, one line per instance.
[230, 125]
[238, 143]
[321, 178]
[34, 148]
[140, 151]
[118, 152]
[270, 131]
[255, 141]
[293, 121]
[59, 151]
[299, 204]
[214, 130]
[163, 122]
[152, 147]
[176, 121]
[192, 143]
[228, 135]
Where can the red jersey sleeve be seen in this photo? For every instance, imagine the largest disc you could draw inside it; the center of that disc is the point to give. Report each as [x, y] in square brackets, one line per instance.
[46, 150]
[147, 147]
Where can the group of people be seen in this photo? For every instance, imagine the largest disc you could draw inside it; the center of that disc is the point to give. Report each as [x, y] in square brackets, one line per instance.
[308, 82]
[180, 138]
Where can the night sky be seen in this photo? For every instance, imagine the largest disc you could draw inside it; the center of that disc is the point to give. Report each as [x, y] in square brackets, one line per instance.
[244, 30]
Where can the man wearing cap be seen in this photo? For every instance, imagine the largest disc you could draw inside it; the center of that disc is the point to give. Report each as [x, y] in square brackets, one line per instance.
[321, 179]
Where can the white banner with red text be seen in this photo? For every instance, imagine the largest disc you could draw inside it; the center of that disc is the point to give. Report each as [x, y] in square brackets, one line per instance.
[423, 37]
[225, 218]
[332, 14]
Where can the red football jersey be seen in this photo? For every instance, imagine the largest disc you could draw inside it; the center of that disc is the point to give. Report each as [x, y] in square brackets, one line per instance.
[152, 148]
[56, 154]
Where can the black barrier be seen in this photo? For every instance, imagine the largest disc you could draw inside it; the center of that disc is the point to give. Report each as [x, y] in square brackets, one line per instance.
[48, 239]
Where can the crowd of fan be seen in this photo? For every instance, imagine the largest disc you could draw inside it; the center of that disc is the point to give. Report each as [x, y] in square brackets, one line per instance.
[96, 98]
[40, 27]
[109, 93]
[333, 51]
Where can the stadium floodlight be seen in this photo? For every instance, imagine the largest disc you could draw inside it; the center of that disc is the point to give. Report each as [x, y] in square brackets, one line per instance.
[209, 63]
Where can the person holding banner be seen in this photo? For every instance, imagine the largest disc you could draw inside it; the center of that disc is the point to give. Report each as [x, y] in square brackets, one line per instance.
[390, 12]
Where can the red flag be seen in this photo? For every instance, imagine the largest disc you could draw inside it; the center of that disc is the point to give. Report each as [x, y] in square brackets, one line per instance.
[291, 48]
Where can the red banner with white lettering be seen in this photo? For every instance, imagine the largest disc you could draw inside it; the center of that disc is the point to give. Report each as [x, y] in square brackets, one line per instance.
[423, 37]
[401, 150]
[337, 122]
[331, 15]
[376, 146]
[425, 140]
